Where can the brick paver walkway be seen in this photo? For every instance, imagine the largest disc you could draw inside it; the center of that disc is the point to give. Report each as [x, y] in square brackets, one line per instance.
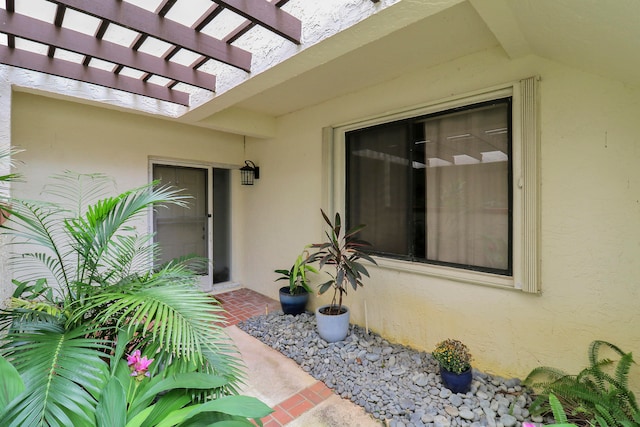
[241, 304]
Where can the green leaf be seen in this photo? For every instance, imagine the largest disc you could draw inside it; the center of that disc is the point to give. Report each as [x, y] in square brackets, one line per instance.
[557, 409]
[242, 406]
[167, 404]
[111, 410]
[11, 385]
[141, 417]
[186, 380]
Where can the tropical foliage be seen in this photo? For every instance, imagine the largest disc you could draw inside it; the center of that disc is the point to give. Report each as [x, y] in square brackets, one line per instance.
[558, 414]
[343, 253]
[7, 161]
[598, 395]
[453, 356]
[87, 293]
[297, 275]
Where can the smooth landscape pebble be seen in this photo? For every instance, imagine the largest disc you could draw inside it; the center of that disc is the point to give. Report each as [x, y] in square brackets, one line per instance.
[392, 382]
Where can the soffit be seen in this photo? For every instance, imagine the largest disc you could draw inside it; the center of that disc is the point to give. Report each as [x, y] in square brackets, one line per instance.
[449, 34]
[163, 49]
[602, 38]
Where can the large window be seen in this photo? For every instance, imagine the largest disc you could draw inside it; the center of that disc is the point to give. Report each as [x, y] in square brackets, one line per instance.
[436, 188]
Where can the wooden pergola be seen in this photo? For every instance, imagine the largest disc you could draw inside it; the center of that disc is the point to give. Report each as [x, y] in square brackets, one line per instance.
[134, 66]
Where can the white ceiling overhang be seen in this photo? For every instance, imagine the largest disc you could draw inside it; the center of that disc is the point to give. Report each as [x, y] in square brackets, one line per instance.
[601, 38]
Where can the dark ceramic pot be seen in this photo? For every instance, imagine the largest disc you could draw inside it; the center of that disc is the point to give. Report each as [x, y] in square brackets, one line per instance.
[293, 303]
[457, 383]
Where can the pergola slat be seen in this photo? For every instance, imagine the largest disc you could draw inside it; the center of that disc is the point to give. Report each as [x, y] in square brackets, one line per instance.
[141, 20]
[164, 7]
[147, 24]
[239, 32]
[61, 68]
[39, 31]
[207, 17]
[267, 15]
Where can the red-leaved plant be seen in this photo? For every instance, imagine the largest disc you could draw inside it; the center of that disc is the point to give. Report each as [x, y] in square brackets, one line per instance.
[343, 252]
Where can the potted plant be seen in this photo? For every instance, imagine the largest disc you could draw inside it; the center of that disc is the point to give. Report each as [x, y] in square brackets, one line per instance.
[455, 365]
[294, 298]
[341, 252]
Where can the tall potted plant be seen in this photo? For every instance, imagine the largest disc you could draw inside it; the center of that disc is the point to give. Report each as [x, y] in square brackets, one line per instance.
[343, 253]
[294, 298]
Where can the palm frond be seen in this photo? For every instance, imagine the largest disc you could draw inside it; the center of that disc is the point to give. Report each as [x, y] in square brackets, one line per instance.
[181, 319]
[127, 255]
[62, 372]
[36, 224]
[7, 160]
[75, 191]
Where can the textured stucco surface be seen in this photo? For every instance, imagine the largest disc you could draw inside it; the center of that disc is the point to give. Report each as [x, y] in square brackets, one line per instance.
[589, 213]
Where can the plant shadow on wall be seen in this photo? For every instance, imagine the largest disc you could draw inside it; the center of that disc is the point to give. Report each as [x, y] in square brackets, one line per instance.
[87, 295]
[342, 253]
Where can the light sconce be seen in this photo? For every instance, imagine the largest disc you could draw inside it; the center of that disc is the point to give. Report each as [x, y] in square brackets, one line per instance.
[249, 172]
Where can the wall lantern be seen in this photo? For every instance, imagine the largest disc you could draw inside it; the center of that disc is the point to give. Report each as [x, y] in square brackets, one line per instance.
[248, 172]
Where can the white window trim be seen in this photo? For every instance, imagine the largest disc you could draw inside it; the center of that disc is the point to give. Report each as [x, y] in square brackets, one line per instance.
[525, 153]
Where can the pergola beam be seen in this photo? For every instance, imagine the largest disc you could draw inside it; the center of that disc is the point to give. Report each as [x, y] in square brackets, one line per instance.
[267, 15]
[41, 32]
[143, 21]
[71, 70]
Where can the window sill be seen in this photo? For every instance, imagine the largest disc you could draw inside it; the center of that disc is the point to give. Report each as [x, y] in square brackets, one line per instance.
[448, 273]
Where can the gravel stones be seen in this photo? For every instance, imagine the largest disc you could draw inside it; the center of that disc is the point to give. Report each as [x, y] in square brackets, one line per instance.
[392, 382]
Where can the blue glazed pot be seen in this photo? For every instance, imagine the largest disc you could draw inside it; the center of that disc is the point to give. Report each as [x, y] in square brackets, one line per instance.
[293, 304]
[457, 383]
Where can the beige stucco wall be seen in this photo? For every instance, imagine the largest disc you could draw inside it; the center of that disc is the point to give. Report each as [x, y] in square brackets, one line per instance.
[58, 135]
[590, 233]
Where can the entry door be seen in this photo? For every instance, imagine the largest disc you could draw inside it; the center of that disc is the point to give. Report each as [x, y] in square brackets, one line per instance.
[182, 231]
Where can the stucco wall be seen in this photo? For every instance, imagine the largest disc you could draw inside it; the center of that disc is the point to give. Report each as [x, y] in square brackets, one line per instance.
[58, 135]
[590, 233]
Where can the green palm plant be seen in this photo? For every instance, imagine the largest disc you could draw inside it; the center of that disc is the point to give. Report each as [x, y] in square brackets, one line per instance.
[7, 161]
[83, 275]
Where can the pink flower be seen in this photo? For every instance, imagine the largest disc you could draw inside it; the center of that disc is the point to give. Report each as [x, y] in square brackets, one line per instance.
[139, 365]
[133, 358]
[526, 424]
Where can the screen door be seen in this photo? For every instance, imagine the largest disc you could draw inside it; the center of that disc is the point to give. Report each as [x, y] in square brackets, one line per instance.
[182, 231]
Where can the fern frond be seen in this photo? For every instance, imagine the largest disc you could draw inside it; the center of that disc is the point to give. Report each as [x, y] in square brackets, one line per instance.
[622, 370]
[548, 373]
[556, 408]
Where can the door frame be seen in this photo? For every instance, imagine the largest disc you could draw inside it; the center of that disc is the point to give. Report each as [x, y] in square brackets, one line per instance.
[206, 282]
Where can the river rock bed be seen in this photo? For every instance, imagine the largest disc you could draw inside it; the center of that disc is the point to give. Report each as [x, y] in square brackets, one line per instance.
[392, 382]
